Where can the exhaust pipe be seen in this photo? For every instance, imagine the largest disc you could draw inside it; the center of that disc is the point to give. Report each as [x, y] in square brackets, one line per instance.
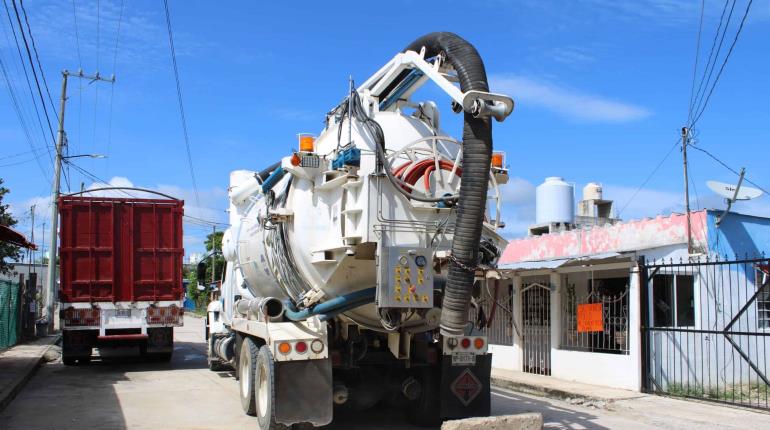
[477, 156]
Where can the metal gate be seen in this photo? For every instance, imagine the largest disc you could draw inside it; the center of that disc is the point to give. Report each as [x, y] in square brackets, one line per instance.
[706, 329]
[536, 312]
[9, 313]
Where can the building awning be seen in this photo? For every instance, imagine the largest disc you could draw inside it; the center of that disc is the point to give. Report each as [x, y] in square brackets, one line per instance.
[553, 264]
[12, 236]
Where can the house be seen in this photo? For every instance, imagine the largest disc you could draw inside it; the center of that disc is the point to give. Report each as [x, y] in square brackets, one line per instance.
[628, 305]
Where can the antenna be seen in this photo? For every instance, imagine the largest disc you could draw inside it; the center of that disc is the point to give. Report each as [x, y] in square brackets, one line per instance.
[733, 193]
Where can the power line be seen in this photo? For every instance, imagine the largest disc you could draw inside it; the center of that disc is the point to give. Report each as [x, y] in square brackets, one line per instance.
[32, 66]
[205, 220]
[22, 122]
[654, 171]
[181, 105]
[709, 67]
[697, 57]
[77, 36]
[37, 57]
[714, 157]
[724, 63]
[29, 84]
[112, 90]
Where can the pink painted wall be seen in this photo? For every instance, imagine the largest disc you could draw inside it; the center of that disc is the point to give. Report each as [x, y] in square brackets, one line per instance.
[627, 236]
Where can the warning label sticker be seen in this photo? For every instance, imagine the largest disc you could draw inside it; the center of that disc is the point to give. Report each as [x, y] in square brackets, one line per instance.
[466, 387]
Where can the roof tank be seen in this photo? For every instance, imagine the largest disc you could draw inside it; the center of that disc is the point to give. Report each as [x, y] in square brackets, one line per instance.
[592, 191]
[555, 201]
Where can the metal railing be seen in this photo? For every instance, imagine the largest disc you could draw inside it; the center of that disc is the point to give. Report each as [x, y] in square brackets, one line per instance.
[706, 329]
[609, 336]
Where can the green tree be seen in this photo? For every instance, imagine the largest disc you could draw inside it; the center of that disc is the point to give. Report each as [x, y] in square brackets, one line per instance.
[213, 241]
[7, 250]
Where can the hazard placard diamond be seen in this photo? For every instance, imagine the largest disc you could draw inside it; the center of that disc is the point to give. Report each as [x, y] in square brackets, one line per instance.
[466, 387]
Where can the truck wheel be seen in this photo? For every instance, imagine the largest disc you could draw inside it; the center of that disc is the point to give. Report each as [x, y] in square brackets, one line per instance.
[246, 366]
[425, 411]
[265, 391]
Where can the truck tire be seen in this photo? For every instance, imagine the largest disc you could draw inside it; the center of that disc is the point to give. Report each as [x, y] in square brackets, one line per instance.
[246, 369]
[425, 411]
[264, 391]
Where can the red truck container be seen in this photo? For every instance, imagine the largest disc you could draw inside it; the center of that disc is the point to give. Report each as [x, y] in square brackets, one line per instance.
[120, 275]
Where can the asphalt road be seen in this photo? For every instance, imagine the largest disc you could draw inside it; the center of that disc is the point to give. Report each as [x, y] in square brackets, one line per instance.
[184, 394]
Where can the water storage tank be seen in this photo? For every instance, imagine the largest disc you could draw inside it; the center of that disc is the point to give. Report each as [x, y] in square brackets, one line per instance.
[554, 201]
[592, 191]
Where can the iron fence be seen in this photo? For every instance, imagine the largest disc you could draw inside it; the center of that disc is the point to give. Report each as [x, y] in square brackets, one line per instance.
[494, 312]
[9, 313]
[706, 329]
[536, 332]
[610, 336]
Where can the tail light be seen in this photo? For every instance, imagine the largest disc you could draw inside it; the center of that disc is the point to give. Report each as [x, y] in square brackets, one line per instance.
[478, 343]
[87, 317]
[300, 347]
[465, 343]
[165, 315]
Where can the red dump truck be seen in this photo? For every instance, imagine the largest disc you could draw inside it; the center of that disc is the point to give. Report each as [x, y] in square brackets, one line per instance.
[120, 276]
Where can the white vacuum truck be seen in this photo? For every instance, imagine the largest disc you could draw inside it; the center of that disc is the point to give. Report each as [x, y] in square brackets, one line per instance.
[351, 264]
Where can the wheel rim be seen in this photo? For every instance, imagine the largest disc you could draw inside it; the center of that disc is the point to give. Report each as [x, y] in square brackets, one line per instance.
[262, 391]
[244, 377]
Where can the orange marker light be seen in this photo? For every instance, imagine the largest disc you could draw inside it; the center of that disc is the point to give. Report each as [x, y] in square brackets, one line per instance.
[306, 142]
[284, 348]
[295, 160]
[478, 343]
[497, 159]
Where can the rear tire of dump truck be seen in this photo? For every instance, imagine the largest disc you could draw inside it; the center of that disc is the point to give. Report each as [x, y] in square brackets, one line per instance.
[246, 369]
[264, 391]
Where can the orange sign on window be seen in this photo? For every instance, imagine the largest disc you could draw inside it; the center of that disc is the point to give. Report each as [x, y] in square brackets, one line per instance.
[589, 318]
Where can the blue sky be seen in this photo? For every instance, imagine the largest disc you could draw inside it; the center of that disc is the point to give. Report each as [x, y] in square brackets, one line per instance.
[602, 88]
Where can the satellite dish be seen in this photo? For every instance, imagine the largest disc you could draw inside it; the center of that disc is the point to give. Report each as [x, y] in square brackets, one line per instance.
[728, 191]
[733, 193]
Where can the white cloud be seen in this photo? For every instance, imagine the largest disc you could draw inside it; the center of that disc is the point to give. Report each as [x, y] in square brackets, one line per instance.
[564, 101]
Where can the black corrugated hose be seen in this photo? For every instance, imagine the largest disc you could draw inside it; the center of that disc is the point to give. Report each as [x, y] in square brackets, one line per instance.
[477, 154]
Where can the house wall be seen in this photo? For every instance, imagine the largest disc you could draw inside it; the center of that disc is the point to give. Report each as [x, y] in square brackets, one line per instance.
[738, 234]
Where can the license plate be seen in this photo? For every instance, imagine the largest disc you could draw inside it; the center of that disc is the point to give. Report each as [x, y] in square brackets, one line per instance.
[463, 359]
[123, 313]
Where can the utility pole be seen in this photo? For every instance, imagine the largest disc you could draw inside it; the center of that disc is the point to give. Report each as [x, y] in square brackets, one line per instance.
[213, 253]
[685, 132]
[32, 238]
[49, 291]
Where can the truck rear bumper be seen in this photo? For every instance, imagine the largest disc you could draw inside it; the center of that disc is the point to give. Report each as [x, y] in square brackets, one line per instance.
[122, 337]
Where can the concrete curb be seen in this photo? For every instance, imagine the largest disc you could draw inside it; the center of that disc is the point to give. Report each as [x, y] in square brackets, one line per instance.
[10, 392]
[552, 393]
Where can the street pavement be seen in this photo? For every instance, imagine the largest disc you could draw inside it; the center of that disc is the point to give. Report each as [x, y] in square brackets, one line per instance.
[184, 394]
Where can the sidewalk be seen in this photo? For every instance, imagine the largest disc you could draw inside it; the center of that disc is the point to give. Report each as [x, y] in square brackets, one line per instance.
[18, 364]
[547, 386]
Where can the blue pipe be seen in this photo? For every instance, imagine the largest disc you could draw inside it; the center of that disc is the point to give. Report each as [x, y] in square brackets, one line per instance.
[331, 314]
[273, 179]
[357, 298]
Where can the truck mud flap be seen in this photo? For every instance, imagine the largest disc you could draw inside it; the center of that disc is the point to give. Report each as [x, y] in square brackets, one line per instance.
[303, 392]
[465, 390]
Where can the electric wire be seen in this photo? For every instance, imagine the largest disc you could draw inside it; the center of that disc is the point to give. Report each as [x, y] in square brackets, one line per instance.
[715, 158]
[93, 177]
[709, 66]
[654, 171]
[112, 88]
[29, 85]
[34, 72]
[22, 122]
[37, 57]
[695, 65]
[702, 108]
[77, 34]
[179, 99]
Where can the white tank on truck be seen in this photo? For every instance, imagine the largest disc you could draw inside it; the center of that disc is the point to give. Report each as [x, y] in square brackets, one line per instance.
[351, 263]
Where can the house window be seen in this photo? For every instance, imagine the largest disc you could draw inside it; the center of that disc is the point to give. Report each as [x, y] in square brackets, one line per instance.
[763, 300]
[673, 300]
